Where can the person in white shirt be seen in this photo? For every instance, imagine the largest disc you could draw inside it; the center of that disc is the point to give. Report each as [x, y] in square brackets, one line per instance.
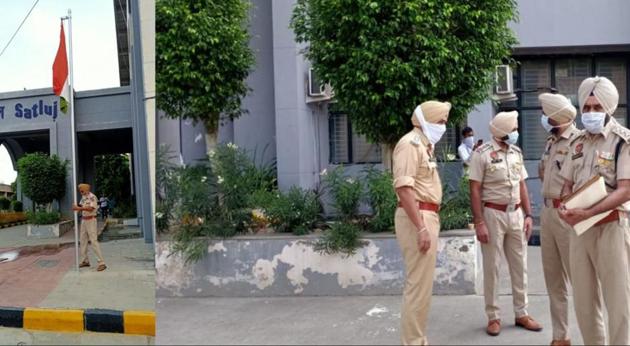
[468, 145]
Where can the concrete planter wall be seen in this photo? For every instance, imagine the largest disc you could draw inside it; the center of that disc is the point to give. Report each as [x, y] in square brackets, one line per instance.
[282, 265]
[49, 231]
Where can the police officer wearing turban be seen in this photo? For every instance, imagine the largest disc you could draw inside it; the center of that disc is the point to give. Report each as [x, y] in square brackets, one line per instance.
[600, 257]
[417, 222]
[558, 119]
[89, 232]
[502, 217]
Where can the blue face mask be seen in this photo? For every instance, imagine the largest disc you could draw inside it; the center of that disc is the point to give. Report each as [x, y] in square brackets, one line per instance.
[512, 138]
[544, 121]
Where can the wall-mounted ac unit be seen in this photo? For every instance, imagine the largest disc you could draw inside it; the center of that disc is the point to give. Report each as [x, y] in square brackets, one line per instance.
[503, 80]
[317, 91]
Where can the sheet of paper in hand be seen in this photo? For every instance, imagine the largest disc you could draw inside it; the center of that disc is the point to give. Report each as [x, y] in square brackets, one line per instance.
[592, 192]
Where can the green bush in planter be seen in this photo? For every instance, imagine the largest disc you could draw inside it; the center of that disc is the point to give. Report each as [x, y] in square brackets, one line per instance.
[42, 217]
[17, 206]
[342, 237]
[295, 211]
[382, 199]
[455, 212]
[5, 203]
[346, 192]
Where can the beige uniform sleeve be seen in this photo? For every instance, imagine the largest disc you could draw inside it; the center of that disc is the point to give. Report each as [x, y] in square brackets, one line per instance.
[406, 163]
[524, 174]
[623, 162]
[477, 167]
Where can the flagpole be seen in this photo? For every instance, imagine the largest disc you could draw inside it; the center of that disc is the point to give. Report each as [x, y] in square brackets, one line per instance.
[74, 146]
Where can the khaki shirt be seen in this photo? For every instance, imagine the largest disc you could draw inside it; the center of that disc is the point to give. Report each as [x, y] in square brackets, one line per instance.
[499, 171]
[89, 201]
[556, 153]
[591, 155]
[415, 165]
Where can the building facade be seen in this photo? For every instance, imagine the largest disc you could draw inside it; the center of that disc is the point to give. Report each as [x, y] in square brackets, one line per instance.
[556, 49]
[107, 121]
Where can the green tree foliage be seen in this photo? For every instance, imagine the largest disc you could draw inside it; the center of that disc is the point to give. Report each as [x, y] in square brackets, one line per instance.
[113, 178]
[5, 203]
[43, 177]
[385, 57]
[203, 58]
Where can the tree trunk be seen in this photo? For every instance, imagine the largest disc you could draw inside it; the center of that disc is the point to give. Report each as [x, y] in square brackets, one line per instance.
[388, 156]
[212, 138]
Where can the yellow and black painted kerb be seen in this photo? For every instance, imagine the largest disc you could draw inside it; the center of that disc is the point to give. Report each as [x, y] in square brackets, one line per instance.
[93, 320]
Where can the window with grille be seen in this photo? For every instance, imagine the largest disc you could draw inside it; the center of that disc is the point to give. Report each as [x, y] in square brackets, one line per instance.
[348, 147]
[565, 74]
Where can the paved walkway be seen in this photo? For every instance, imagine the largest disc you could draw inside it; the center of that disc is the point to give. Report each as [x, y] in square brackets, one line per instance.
[42, 274]
[349, 320]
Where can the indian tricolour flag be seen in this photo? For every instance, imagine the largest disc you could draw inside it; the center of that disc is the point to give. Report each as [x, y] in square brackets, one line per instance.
[61, 85]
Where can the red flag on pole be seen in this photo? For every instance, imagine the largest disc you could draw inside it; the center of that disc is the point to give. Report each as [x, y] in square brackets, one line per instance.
[60, 73]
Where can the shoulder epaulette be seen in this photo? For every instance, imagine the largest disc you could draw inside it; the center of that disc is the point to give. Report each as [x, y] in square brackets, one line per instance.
[622, 132]
[580, 135]
[416, 140]
[484, 147]
[517, 148]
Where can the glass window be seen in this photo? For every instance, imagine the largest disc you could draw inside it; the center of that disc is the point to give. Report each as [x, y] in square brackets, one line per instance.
[615, 70]
[569, 74]
[348, 147]
[535, 74]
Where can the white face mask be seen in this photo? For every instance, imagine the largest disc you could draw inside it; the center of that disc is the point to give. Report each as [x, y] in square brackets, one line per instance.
[512, 138]
[469, 141]
[593, 121]
[434, 132]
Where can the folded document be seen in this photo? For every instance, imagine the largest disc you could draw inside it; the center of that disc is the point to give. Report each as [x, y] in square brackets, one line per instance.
[591, 193]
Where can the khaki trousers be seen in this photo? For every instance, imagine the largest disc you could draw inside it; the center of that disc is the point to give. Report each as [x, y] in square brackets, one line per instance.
[89, 232]
[599, 267]
[419, 269]
[555, 237]
[506, 237]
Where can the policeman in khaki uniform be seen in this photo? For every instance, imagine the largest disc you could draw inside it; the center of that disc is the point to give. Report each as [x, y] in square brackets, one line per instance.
[600, 257]
[499, 198]
[88, 208]
[557, 119]
[417, 223]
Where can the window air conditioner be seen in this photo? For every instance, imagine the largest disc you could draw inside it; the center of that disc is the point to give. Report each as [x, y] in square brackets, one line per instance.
[315, 87]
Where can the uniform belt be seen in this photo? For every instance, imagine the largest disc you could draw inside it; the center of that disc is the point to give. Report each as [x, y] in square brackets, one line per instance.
[500, 207]
[614, 216]
[555, 202]
[425, 206]
[88, 217]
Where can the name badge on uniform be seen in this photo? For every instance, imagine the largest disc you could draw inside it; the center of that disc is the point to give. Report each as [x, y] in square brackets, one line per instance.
[578, 151]
[495, 157]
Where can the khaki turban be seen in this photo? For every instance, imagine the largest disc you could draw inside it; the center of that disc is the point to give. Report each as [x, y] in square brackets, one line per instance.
[503, 123]
[84, 186]
[557, 107]
[603, 89]
[431, 111]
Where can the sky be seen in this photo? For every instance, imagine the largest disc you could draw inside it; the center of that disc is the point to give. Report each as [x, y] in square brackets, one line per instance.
[27, 63]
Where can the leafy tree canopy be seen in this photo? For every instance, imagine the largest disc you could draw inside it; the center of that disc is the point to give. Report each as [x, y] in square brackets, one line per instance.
[385, 57]
[203, 58]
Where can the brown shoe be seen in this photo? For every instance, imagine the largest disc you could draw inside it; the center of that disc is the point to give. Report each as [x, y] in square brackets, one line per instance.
[101, 267]
[84, 264]
[528, 323]
[494, 327]
[561, 342]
